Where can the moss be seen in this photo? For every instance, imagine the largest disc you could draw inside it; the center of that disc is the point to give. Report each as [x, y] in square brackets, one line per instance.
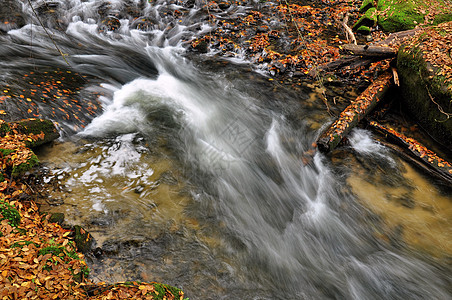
[404, 15]
[24, 167]
[442, 18]
[419, 86]
[20, 244]
[83, 239]
[363, 30]
[57, 218]
[398, 16]
[369, 19]
[4, 128]
[10, 213]
[6, 152]
[37, 126]
[366, 5]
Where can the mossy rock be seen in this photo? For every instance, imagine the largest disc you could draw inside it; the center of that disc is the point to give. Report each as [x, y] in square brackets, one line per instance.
[363, 30]
[399, 15]
[83, 239]
[366, 5]
[425, 92]
[37, 126]
[20, 169]
[57, 218]
[369, 19]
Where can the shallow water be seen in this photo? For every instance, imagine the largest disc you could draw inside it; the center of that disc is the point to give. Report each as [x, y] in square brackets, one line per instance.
[192, 172]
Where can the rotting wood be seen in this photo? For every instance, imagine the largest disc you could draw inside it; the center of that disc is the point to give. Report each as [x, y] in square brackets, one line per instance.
[422, 155]
[354, 113]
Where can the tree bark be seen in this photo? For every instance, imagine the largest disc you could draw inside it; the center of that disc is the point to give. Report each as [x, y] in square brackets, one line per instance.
[354, 113]
[370, 51]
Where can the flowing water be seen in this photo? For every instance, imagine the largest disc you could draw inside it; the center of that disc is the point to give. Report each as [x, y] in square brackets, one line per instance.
[193, 174]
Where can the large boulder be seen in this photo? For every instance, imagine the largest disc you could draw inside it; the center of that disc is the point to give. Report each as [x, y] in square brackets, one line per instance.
[425, 69]
[399, 15]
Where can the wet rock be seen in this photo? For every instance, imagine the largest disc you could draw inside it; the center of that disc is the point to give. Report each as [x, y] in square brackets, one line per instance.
[139, 189]
[57, 218]
[189, 3]
[98, 252]
[104, 8]
[143, 24]
[83, 239]
[224, 5]
[201, 47]
[10, 16]
[47, 7]
[109, 24]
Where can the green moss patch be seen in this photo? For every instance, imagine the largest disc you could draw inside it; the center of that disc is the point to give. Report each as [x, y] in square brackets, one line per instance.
[10, 213]
[399, 15]
[426, 84]
[369, 19]
[26, 166]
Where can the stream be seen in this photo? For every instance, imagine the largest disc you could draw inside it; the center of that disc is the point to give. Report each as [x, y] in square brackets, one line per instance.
[188, 169]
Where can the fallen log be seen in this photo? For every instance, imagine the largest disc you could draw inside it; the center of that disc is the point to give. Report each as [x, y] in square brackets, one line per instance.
[370, 51]
[428, 159]
[354, 113]
[393, 40]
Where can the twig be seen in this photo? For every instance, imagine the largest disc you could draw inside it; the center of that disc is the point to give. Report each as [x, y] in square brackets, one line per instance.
[396, 76]
[48, 34]
[348, 32]
[439, 107]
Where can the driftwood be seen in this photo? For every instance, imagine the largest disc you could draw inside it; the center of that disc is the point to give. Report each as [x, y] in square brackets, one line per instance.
[417, 153]
[371, 51]
[354, 113]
